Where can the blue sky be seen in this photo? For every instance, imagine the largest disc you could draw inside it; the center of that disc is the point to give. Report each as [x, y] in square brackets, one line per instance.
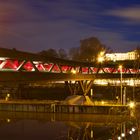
[36, 25]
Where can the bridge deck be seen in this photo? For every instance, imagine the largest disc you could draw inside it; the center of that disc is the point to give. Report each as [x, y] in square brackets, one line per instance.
[43, 76]
[22, 66]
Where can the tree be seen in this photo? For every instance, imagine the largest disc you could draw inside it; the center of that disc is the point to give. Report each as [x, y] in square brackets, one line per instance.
[49, 53]
[74, 53]
[89, 50]
[62, 53]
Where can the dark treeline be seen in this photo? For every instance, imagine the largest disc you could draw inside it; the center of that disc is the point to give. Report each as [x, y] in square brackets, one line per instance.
[87, 51]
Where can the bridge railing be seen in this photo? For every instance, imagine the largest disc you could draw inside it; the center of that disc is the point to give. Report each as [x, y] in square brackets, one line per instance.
[7, 64]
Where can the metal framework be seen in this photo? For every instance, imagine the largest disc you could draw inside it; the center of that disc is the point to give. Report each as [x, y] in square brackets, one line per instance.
[78, 76]
[8, 64]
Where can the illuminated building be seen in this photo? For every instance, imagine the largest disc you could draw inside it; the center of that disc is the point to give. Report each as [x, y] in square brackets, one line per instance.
[133, 55]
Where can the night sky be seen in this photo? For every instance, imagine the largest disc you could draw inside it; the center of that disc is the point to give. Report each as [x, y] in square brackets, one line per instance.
[36, 25]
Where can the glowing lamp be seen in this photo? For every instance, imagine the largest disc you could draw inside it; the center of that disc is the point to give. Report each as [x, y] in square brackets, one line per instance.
[132, 105]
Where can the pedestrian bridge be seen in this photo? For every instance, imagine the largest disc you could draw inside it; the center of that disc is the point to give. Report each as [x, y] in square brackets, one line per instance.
[23, 66]
[20, 67]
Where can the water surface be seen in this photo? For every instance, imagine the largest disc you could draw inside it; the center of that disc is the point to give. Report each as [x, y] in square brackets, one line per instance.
[45, 126]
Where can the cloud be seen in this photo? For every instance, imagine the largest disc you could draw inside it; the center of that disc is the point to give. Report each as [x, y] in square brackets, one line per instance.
[130, 13]
[114, 40]
[32, 25]
[35, 25]
[66, 34]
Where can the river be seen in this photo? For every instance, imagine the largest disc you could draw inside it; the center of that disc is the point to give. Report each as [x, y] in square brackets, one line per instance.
[46, 126]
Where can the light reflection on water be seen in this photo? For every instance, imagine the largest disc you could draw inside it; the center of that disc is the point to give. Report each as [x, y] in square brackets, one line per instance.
[42, 126]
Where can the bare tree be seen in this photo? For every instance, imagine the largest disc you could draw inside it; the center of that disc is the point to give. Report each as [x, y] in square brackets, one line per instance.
[49, 53]
[74, 53]
[62, 54]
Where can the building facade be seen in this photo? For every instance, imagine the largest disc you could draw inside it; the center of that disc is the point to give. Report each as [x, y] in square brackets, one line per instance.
[133, 55]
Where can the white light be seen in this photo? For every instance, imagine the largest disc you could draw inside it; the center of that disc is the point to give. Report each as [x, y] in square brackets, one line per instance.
[131, 83]
[131, 104]
[3, 58]
[103, 102]
[123, 135]
[102, 53]
[130, 132]
[133, 129]
[8, 120]
[91, 133]
[119, 138]
[100, 59]
[8, 95]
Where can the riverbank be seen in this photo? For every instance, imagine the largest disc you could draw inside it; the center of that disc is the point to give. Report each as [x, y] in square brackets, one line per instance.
[48, 106]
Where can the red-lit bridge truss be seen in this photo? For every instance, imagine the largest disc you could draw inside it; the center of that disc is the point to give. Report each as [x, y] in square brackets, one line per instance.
[56, 66]
[21, 66]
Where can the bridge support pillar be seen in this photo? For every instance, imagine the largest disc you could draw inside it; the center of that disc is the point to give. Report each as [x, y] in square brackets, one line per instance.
[79, 87]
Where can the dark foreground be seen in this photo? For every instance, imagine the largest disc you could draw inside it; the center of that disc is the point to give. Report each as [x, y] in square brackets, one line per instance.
[56, 126]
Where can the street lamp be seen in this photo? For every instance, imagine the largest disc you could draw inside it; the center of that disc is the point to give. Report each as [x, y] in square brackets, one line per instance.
[100, 58]
[120, 67]
[132, 105]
